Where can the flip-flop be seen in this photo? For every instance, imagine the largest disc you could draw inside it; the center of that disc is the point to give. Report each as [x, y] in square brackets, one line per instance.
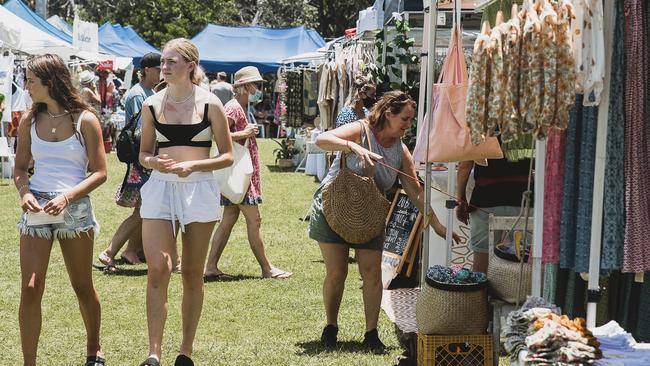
[278, 274]
[105, 259]
[151, 361]
[218, 277]
[95, 361]
[183, 360]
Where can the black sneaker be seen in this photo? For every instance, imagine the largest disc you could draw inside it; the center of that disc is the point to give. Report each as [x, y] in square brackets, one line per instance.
[372, 343]
[328, 337]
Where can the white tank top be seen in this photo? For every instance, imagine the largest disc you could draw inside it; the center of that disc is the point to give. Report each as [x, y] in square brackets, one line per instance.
[60, 165]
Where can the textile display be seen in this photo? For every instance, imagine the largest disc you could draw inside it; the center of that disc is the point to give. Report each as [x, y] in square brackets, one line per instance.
[553, 195]
[523, 75]
[575, 227]
[614, 192]
[6, 77]
[294, 94]
[327, 95]
[636, 254]
[310, 93]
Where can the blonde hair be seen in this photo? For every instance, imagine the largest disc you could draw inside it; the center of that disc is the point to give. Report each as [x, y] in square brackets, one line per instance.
[189, 53]
[360, 84]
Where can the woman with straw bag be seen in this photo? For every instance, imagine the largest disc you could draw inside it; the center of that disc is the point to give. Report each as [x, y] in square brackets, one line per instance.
[372, 148]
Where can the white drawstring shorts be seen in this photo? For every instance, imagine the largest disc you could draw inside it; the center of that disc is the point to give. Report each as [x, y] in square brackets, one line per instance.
[194, 198]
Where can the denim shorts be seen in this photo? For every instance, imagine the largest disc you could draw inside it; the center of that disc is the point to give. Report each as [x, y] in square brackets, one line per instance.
[78, 218]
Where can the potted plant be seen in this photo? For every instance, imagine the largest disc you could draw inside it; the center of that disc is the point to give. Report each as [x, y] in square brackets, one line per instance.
[285, 153]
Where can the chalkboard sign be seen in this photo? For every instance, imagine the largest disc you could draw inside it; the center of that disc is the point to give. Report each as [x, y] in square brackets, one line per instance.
[401, 231]
[400, 223]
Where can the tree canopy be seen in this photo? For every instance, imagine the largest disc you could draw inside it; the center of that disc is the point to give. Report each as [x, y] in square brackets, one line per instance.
[161, 20]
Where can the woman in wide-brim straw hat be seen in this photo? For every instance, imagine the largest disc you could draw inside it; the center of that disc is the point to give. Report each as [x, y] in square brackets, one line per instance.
[181, 193]
[247, 89]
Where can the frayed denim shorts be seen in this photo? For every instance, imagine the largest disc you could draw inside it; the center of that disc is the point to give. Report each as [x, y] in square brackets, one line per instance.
[78, 218]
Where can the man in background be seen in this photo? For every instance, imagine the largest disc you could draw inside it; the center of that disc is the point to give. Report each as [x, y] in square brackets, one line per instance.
[222, 88]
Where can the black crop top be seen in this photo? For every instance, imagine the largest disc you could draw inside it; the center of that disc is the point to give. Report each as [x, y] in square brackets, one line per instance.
[195, 134]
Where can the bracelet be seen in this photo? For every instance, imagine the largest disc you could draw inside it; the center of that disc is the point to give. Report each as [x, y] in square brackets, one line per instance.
[20, 189]
[67, 201]
[347, 144]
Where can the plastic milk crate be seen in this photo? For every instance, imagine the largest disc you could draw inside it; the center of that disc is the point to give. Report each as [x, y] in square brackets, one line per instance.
[463, 350]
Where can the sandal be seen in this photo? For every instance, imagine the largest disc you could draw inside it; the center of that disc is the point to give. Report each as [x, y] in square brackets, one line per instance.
[95, 361]
[104, 259]
[151, 361]
[183, 360]
[277, 273]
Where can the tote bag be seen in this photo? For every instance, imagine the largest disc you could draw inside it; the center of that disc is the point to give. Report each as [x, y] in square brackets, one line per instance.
[449, 138]
[234, 180]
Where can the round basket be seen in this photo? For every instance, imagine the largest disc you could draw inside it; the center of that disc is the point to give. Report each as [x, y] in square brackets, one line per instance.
[354, 208]
[503, 276]
[452, 309]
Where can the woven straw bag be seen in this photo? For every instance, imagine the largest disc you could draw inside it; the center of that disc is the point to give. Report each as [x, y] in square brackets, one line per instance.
[353, 206]
[503, 276]
[452, 309]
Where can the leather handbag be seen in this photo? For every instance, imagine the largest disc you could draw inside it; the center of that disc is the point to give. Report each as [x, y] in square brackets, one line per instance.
[234, 180]
[449, 138]
[353, 206]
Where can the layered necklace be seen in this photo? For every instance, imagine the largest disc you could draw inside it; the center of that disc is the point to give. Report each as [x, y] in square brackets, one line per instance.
[181, 101]
[54, 116]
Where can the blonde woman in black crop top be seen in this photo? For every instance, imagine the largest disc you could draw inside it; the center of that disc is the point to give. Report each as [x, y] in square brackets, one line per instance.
[181, 121]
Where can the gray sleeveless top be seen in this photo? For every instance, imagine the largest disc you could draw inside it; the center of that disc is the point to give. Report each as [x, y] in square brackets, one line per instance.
[384, 177]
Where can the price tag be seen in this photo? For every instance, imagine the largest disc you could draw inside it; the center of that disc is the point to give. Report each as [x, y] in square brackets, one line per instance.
[442, 18]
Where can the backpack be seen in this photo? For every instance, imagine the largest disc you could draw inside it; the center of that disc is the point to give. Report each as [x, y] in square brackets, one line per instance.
[127, 145]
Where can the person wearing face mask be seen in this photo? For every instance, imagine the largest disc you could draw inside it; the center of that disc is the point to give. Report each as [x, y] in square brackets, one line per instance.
[247, 89]
[362, 99]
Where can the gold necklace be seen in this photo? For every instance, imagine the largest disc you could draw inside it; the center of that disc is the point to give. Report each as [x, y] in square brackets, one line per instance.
[54, 116]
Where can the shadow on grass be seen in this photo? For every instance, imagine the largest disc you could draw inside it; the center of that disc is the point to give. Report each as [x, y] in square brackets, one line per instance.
[120, 271]
[277, 169]
[232, 278]
[312, 348]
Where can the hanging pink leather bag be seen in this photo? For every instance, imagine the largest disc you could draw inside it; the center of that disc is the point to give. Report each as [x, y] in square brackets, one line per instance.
[449, 138]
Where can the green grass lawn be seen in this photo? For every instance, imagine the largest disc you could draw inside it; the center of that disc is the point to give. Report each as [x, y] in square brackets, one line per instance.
[248, 322]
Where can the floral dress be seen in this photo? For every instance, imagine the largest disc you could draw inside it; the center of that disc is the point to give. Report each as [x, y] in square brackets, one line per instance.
[128, 193]
[236, 113]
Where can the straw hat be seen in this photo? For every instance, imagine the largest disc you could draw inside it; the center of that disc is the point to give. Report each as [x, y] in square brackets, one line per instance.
[248, 74]
[86, 77]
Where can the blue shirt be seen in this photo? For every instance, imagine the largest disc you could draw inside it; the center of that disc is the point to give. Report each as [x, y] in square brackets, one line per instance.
[347, 115]
[133, 100]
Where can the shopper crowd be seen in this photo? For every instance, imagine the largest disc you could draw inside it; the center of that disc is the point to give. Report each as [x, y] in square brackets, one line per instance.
[171, 188]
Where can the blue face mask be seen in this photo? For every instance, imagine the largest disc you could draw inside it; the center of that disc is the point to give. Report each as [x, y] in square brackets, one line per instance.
[256, 97]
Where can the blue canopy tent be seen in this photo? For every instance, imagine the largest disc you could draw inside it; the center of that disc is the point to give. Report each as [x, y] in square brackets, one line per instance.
[231, 48]
[121, 41]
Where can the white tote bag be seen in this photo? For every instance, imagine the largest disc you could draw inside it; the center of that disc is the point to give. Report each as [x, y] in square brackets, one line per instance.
[234, 180]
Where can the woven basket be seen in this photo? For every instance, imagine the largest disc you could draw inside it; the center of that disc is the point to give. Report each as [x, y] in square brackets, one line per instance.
[503, 276]
[354, 207]
[452, 309]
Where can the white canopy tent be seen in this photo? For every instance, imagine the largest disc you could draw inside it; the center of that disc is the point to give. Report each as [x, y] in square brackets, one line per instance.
[20, 35]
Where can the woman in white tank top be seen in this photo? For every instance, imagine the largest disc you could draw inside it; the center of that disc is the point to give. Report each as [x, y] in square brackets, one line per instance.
[63, 138]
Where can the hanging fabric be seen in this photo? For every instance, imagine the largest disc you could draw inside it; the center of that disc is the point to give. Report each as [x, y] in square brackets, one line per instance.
[449, 138]
[637, 154]
[614, 192]
[553, 193]
[575, 227]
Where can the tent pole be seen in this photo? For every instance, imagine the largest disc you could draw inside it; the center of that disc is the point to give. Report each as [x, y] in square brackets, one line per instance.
[538, 217]
[428, 71]
[593, 288]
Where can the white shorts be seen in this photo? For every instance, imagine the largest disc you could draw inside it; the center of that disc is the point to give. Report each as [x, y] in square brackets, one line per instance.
[194, 198]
